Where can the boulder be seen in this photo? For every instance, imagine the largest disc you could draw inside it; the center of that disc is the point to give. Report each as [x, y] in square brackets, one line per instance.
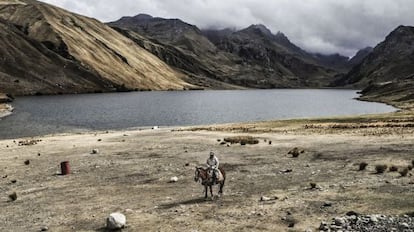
[115, 221]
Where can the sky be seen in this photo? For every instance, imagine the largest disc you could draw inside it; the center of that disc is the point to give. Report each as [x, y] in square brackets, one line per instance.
[322, 26]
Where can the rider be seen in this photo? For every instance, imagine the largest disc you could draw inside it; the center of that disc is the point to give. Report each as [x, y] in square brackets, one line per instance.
[213, 164]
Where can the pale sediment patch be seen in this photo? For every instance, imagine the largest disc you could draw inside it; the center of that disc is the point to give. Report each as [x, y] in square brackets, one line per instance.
[5, 110]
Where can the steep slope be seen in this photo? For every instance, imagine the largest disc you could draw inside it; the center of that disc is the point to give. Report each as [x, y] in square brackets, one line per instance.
[360, 56]
[101, 58]
[387, 72]
[252, 57]
[182, 46]
[263, 52]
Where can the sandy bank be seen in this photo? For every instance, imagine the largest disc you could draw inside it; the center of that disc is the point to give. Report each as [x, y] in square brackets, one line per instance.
[5, 110]
[132, 170]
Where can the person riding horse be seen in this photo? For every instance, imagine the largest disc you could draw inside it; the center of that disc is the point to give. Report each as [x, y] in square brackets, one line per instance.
[213, 165]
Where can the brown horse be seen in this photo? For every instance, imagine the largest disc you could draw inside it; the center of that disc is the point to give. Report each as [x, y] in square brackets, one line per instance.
[207, 180]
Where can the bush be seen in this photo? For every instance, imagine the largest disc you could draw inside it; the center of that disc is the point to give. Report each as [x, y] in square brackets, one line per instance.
[404, 172]
[380, 168]
[362, 166]
[242, 139]
[294, 152]
[393, 168]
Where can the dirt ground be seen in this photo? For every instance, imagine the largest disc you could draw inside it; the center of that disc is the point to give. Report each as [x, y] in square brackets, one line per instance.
[131, 173]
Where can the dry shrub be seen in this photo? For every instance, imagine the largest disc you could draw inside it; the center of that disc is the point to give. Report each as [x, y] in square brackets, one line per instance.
[404, 172]
[393, 168]
[242, 140]
[294, 152]
[363, 166]
[380, 168]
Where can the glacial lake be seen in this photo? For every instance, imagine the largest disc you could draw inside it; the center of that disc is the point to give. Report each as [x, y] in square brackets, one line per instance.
[42, 115]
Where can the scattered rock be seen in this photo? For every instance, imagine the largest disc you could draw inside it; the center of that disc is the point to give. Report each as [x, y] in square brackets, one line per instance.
[270, 142]
[27, 162]
[99, 140]
[44, 228]
[155, 127]
[13, 196]
[187, 164]
[312, 185]
[173, 179]
[223, 143]
[218, 140]
[13, 181]
[356, 222]
[286, 170]
[404, 172]
[327, 204]
[95, 151]
[393, 168]
[363, 166]
[38, 154]
[294, 152]
[115, 221]
[263, 198]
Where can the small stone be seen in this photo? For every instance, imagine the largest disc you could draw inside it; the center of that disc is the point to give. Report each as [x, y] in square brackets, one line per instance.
[95, 151]
[327, 204]
[405, 225]
[263, 198]
[27, 162]
[115, 221]
[339, 221]
[173, 179]
[44, 228]
[13, 181]
[373, 218]
[13, 196]
[99, 140]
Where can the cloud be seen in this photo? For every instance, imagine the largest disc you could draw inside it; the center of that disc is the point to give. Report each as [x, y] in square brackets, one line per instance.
[325, 26]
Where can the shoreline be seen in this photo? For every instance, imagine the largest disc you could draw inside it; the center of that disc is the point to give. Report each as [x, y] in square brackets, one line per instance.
[5, 110]
[137, 165]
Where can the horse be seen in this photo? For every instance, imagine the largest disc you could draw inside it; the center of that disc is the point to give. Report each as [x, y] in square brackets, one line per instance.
[207, 180]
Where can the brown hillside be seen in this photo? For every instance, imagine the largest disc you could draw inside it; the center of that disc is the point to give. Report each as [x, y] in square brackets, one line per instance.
[91, 45]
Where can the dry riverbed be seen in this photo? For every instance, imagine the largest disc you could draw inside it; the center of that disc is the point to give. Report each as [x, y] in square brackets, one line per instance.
[130, 173]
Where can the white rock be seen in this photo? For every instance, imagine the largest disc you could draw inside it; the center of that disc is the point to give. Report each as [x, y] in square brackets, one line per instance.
[263, 198]
[405, 225]
[174, 179]
[155, 127]
[115, 221]
[373, 218]
[95, 151]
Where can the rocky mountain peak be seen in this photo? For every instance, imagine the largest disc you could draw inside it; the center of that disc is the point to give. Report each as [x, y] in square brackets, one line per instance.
[259, 28]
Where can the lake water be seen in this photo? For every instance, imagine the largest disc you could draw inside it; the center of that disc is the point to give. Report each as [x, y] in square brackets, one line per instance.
[67, 113]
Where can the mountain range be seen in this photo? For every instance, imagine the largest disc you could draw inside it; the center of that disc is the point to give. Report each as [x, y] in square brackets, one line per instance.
[48, 50]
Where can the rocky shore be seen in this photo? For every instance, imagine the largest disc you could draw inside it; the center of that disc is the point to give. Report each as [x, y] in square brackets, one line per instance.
[367, 223]
[5, 109]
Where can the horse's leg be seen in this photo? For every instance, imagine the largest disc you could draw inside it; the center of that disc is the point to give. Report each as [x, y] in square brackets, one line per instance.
[205, 190]
[221, 187]
[211, 191]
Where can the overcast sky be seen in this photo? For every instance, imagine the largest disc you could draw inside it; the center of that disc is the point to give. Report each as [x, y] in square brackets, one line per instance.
[325, 26]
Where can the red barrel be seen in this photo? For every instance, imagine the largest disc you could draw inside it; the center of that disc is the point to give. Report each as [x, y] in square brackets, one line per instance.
[65, 168]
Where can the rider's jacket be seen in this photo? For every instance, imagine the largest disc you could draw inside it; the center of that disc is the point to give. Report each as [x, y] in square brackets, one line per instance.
[213, 162]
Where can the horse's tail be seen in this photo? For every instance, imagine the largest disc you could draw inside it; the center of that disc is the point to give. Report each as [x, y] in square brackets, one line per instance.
[223, 173]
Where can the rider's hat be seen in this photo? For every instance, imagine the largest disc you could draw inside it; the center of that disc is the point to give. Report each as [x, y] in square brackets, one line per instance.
[211, 153]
